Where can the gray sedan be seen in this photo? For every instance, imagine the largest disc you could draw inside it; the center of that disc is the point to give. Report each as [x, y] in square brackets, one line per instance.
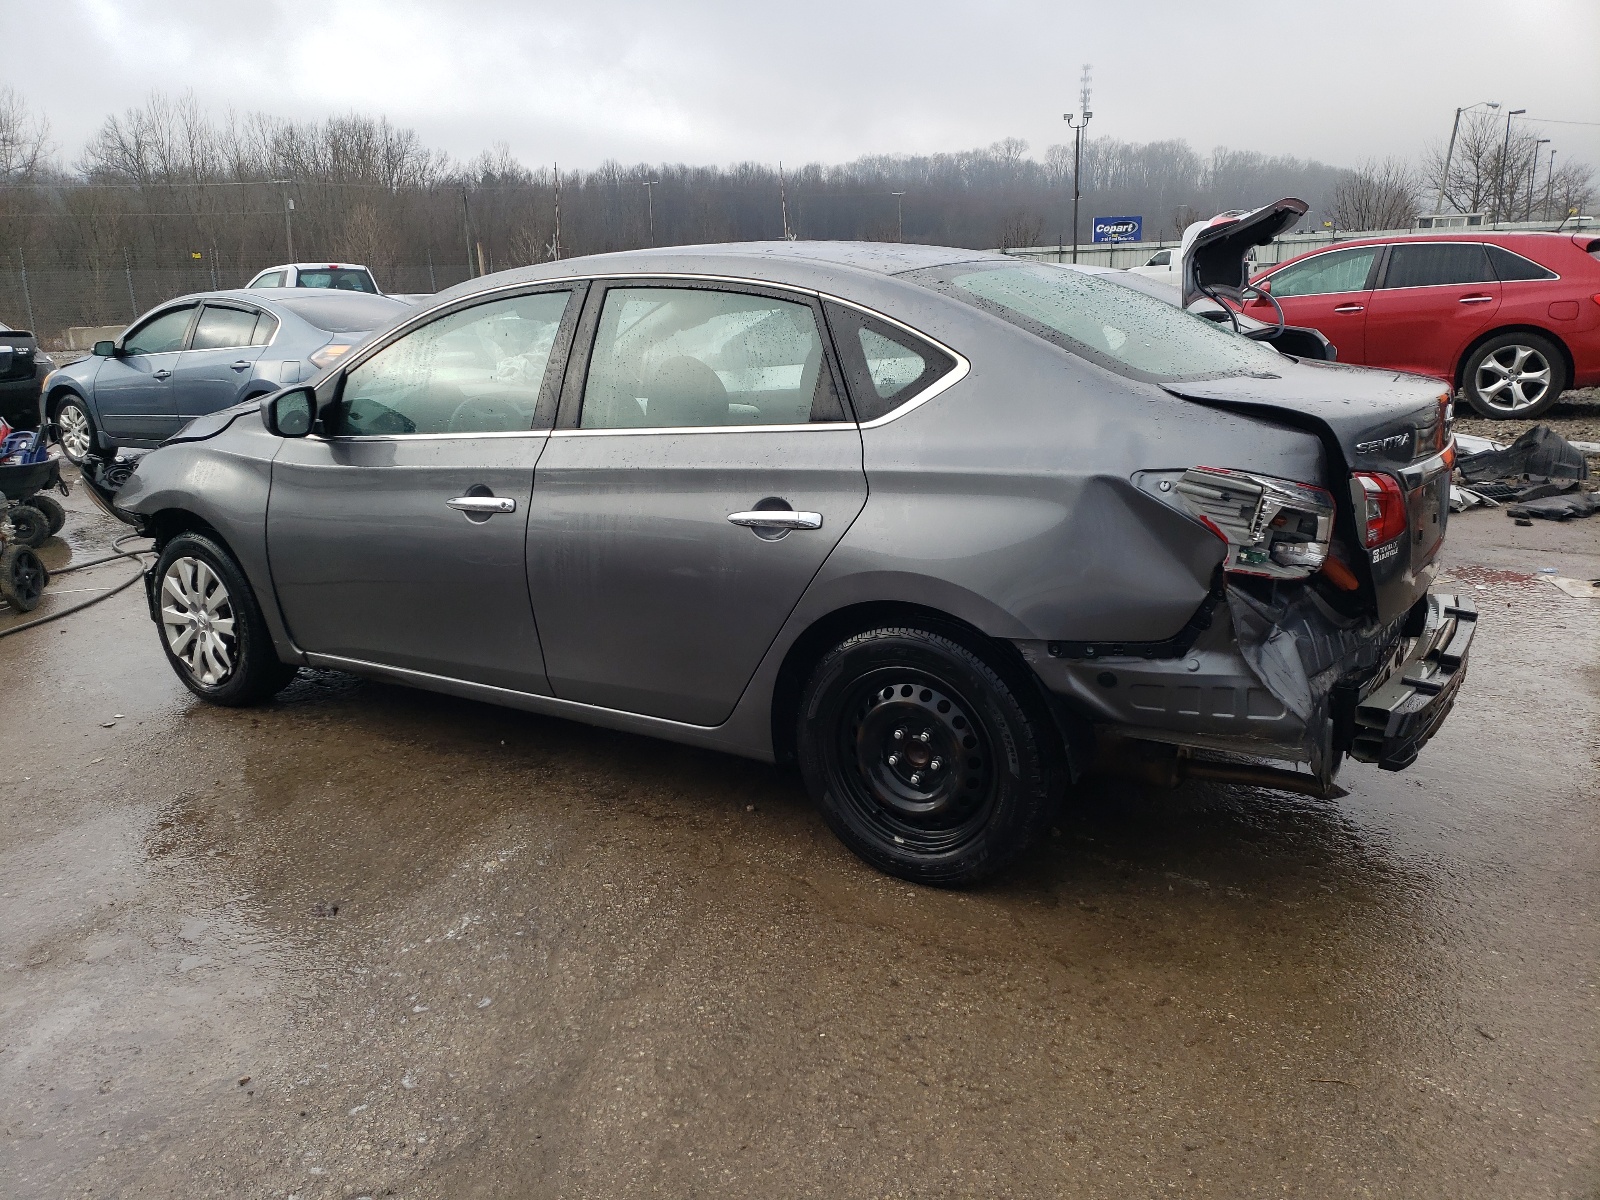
[197, 354]
[929, 524]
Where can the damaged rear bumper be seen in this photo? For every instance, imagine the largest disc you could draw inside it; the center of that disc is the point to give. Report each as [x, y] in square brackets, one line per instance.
[1397, 717]
[1281, 683]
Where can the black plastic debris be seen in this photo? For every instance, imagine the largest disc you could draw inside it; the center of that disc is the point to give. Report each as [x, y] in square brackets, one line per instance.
[1558, 508]
[1541, 453]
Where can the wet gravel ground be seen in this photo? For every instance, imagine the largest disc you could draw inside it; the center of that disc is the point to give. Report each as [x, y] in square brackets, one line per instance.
[368, 941]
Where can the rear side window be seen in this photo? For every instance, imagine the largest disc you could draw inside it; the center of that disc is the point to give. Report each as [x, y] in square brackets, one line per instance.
[1435, 264]
[339, 279]
[673, 358]
[1326, 274]
[1510, 266]
[273, 279]
[220, 328]
[884, 366]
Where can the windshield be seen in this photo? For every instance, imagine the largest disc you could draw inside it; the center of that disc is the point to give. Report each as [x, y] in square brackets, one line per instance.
[348, 313]
[1117, 327]
[340, 279]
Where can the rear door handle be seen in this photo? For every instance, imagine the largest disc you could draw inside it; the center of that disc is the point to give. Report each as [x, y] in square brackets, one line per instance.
[242, 365]
[1476, 299]
[777, 518]
[161, 374]
[1348, 308]
[482, 505]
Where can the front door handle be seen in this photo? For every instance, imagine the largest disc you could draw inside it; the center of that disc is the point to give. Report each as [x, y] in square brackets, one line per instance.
[1350, 308]
[242, 365]
[1476, 299]
[161, 374]
[777, 518]
[482, 505]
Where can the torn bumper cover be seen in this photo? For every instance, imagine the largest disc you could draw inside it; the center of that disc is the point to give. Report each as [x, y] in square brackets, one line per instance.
[1394, 720]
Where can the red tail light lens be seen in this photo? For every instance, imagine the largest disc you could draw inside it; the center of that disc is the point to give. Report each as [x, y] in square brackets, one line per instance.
[1385, 515]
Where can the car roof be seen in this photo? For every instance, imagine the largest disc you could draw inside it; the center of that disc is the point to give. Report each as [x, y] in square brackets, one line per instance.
[801, 264]
[313, 266]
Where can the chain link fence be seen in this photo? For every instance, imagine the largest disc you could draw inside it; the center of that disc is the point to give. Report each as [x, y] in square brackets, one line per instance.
[51, 299]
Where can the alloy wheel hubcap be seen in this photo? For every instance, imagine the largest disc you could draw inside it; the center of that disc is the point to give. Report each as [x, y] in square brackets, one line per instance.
[74, 429]
[197, 618]
[1513, 378]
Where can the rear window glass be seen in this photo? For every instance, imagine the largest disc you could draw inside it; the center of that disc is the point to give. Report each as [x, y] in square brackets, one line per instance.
[1431, 264]
[1510, 266]
[345, 313]
[339, 279]
[1117, 327]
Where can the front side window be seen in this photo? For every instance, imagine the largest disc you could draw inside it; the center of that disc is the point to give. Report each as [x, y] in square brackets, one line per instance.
[161, 334]
[1161, 258]
[271, 279]
[1433, 264]
[477, 370]
[690, 357]
[1326, 274]
[1107, 323]
[1509, 266]
[339, 279]
[220, 328]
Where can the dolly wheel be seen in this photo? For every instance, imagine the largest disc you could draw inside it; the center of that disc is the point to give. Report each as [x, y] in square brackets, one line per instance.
[22, 578]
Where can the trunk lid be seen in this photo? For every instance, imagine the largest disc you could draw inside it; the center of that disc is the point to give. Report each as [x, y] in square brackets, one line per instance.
[1216, 252]
[1369, 421]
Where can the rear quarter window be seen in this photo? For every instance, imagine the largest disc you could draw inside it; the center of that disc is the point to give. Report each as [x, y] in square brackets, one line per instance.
[1510, 266]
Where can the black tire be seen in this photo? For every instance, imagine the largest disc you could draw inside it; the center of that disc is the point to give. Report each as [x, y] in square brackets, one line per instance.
[227, 657]
[52, 510]
[1514, 376]
[32, 526]
[73, 431]
[963, 819]
[22, 577]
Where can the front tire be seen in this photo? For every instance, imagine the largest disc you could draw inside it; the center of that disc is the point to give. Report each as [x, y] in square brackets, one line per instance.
[74, 430]
[925, 760]
[212, 630]
[1514, 376]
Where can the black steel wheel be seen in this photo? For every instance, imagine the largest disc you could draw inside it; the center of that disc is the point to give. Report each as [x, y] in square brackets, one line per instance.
[212, 630]
[31, 525]
[53, 512]
[926, 760]
[22, 577]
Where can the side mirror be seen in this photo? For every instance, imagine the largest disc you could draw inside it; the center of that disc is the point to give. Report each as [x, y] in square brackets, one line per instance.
[104, 350]
[1264, 286]
[290, 413]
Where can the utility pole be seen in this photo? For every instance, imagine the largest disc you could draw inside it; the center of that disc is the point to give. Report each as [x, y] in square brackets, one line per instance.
[466, 230]
[1533, 171]
[288, 217]
[783, 203]
[899, 217]
[1077, 126]
[1444, 179]
[1549, 182]
[555, 242]
[650, 207]
[1500, 181]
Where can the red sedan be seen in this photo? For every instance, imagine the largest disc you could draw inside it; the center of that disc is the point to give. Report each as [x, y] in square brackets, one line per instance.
[1512, 319]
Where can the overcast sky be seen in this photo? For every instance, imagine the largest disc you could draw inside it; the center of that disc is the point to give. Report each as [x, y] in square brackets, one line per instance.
[706, 81]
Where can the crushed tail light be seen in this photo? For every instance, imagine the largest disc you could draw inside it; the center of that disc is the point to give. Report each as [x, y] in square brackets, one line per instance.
[1384, 518]
[329, 354]
[1275, 528]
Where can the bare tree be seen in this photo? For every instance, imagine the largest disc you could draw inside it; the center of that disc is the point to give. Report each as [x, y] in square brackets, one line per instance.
[25, 146]
[1376, 195]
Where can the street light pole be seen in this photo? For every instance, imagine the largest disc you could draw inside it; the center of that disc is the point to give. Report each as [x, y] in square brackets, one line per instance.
[1533, 171]
[1077, 127]
[1444, 179]
[288, 217]
[1500, 174]
[899, 218]
[1549, 182]
[650, 206]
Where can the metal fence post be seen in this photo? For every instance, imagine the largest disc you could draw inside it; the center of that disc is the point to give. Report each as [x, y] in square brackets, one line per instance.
[27, 296]
[127, 269]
